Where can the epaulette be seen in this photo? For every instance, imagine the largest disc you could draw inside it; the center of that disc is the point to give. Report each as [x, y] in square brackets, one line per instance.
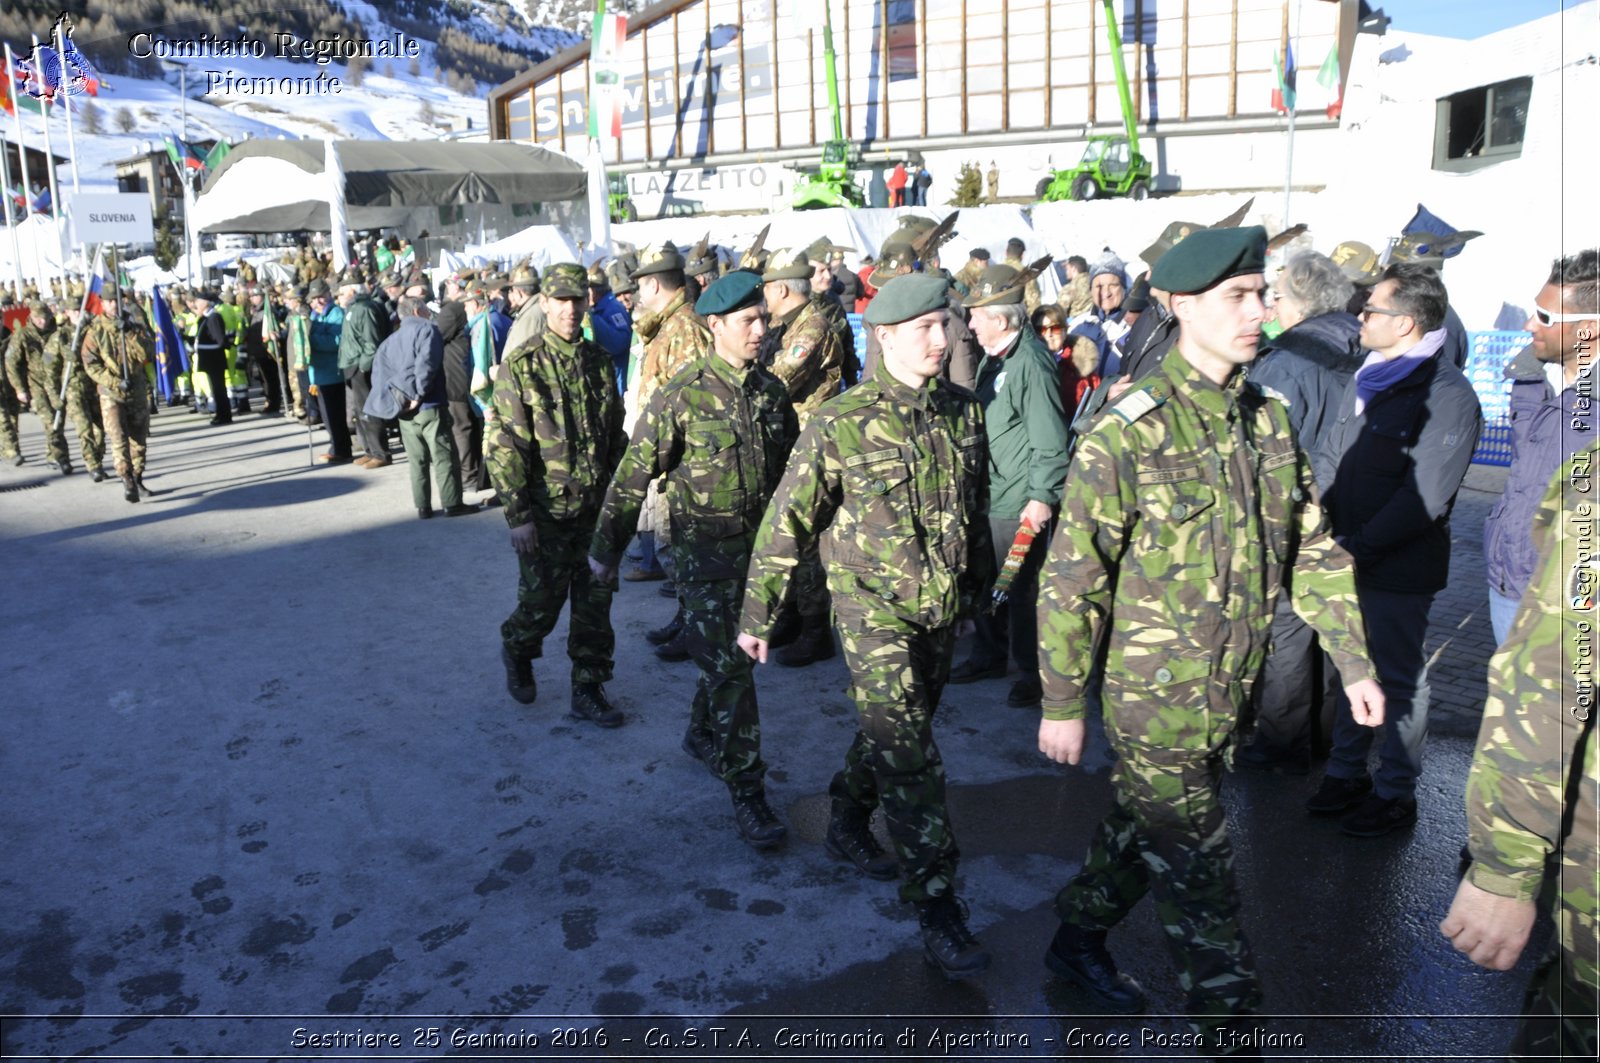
[1269, 392]
[1140, 401]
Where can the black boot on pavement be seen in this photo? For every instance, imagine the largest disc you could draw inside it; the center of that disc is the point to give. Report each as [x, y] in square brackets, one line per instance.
[1081, 958]
[850, 839]
[1338, 795]
[946, 941]
[701, 746]
[786, 630]
[758, 824]
[660, 636]
[144, 492]
[130, 490]
[98, 474]
[814, 644]
[519, 677]
[589, 702]
[677, 649]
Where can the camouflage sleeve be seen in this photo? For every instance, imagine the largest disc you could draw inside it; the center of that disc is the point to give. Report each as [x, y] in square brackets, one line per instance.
[803, 352]
[16, 372]
[1078, 582]
[509, 448]
[800, 511]
[1538, 721]
[96, 366]
[1322, 585]
[655, 450]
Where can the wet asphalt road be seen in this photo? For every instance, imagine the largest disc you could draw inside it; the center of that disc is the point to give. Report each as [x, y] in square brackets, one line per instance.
[259, 775]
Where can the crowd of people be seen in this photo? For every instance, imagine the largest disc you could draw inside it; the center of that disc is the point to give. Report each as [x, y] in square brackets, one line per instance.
[1208, 508]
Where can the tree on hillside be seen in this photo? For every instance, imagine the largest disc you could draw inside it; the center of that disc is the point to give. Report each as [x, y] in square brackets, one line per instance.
[414, 68]
[169, 245]
[355, 71]
[125, 121]
[969, 186]
[89, 117]
[425, 113]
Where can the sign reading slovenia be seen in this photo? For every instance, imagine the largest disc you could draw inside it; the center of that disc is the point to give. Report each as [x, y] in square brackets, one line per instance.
[111, 217]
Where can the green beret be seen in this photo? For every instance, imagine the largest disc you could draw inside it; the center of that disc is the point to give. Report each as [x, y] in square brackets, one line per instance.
[905, 297]
[737, 290]
[1207, 258]
[565, 280]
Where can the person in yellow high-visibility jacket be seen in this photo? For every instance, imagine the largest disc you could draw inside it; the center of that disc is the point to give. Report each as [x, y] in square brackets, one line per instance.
[238, 383]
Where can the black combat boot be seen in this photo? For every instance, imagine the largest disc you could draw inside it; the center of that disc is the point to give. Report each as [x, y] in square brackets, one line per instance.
[814, 644]
[701, 746]
[1081, 958]
[660, 636]
[850, 838]
[130, 490]
[786, 630]
[97, 474]
[946, 941]
[144, 492]
[758, 824]
[589, 702]
[677, 649]
[519, 677]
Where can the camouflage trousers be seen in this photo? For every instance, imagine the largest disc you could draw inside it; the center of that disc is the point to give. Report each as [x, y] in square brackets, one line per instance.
[83, 406]
[725, 696]
[1165, 835]
[10, 410]
[55, 438]
[1558, 1014]
[897, 678]
[127, 423]
[558, 573]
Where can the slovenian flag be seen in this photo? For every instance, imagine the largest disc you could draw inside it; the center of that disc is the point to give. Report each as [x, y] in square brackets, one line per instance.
[92, 303]
[171, 355]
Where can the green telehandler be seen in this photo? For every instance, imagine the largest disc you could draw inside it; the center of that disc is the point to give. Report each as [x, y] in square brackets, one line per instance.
[1111, 165]
[833, 184]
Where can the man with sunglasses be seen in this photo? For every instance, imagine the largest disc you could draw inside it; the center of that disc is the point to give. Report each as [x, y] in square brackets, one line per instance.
[1389, 468]
[1550, 419]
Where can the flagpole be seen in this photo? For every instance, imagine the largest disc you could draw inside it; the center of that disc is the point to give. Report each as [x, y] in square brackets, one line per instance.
[11, 230]
[77, 337]
[50, 162]
[22, 158]
[1291, 103]
[72, 143]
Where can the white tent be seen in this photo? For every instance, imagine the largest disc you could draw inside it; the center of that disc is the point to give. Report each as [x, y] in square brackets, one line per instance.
[39, 242]
[544, 244]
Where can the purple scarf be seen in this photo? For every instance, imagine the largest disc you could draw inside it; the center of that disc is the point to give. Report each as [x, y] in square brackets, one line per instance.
[1378, 374]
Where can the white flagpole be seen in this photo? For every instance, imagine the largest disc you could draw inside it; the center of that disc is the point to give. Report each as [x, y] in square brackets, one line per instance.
[338, 220]
[11, 230]
[1293, 105]
[50, 167]
[22, 157]
[72, 143]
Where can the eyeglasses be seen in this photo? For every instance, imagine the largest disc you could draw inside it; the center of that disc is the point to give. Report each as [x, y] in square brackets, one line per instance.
[1050, 328]
[1367, 312]
[1546, 318]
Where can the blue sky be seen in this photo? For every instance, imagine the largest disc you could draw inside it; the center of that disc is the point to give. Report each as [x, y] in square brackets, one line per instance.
[1465, 18]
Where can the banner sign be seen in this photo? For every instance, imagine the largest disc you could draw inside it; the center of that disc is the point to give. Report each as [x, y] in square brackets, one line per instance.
[110, 218]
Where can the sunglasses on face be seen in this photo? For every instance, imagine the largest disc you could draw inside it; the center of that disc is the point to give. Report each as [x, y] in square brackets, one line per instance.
[1546, 318]
[1051, 328]
[1385, 311]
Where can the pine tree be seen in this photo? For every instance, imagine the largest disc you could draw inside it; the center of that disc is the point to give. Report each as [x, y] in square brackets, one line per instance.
[125, 121]
[355, 71]
[425, 113]
[89, 117]
[969, 186]
[169, 245]
[414, 68]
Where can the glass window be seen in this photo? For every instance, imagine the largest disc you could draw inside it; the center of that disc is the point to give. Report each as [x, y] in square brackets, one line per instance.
[1482, 126]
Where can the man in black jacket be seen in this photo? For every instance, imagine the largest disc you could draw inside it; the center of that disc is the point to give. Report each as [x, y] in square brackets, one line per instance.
[211, 353]
[1389, 469]
[466, 423]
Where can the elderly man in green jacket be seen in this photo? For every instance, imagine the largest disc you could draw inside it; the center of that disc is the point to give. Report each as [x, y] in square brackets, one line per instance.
[366, 324]
[1027, 464]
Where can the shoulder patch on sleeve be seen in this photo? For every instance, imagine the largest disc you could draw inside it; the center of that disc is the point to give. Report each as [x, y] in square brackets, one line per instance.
[1274, 394]
[1139, 402]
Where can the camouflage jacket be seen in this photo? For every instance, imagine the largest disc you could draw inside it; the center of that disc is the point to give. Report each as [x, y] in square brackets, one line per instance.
[681, 338]
[1030, 294]
[1186, 508]
[802, 350]
[58, 356]
[720, 435]
[891, 481]
[527, 324]
[839, 320]
[557, 433]
[103, 350]
[25, 365]
[1526, 797]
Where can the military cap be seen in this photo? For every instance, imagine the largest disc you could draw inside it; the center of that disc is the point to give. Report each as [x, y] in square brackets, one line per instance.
[905, 297]
[6, 299]
[597, 277]
[565, 280]
[393, 279]
[824, 250]
[893, 257]
[621, 282]
[1358, 262]
[464, 277]
[979, 253]
[496, 281]
[1430, 249]
[296, 292]
[787, 265]
[317, 288]
[1138, 298]
[997, 286]
[474, 292]
[725, 295]
[702, 258]
[208, 294]
[1170, 237]
[37, 306]
[1016, 244]
[1208, 257]
[75, 290]
[663, 259]
[524, 278]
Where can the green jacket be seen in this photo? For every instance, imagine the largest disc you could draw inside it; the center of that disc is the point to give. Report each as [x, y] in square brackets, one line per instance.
[1186, 509]
[365, 326]
[721, 437]
[557, 431]
[1027, 427]
[1535, 780]
[891, 481]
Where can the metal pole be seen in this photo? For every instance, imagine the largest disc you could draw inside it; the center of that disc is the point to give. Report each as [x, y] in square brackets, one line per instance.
[1291, 104]
[72, 352]
[72, 143]
[27, 182]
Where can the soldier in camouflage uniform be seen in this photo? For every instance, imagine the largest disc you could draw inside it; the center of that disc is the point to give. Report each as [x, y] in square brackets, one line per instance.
[527, 320]
[1534, 787]
[802, 349]
[823, 298]
[890, 475]
[114, 358]
[83, 403]
[720, 431]
[1187, 506]
[37, 379]
[554, 441]
[1015, 249]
